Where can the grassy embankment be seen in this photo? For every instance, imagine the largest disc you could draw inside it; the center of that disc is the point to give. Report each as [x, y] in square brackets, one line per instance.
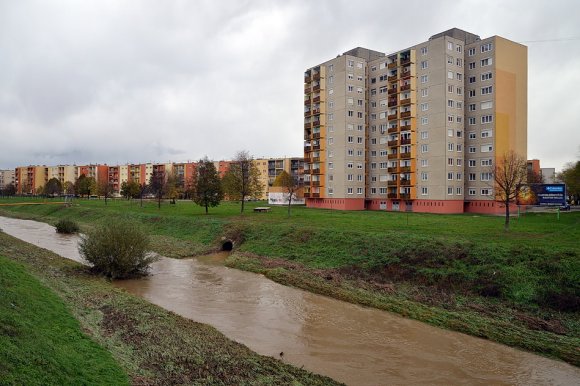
[41, 343]
[460, 272]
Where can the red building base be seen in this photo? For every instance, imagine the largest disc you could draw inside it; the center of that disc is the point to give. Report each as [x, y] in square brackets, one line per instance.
[488, 207]
[336, 203]
[420, 206]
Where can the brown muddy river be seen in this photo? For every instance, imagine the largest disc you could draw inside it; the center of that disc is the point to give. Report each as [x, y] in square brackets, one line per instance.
[352, 344]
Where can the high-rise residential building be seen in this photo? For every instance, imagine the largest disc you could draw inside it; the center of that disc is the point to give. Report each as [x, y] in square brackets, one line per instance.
[270, 168]
[63, 173]
[30, 179]
[416, 130]
[7, 178]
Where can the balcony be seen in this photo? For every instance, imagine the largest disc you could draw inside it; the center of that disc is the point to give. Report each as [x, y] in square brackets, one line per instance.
[392, 183]
[406, 141]
[404, 155]
[307, 125]
[405, 127]
[306, 89]
[390, 195]
[405, 182]
[316, 147]
[316, 111]
[316, 77]
[393, 129]
[307, 113]
[392, 143]
[405, 196]
[406, 74]
[406, 114]
[392, 104]
[315, 159]
[405, 169]
[307, 79]
[392, 91]
[392, 65]
[316, 99]
[392, 156]
[316, 135]
[315, 171]
[307, 101]
[405, 87]
[406, 101]
[392, 170]
[306, 195]
[391, 117]
[392, 78]
[316, 88]
[405, 61]
[315, 183]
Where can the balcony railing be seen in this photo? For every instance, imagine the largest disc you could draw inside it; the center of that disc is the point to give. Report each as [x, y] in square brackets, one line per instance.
[392, 170]
[392, 104]
[405, 196]
[406, 101]
[392, 78]
[406, 114]
[315, 171]
[392, 129]
[406, 141]
[316, 88]
[405, 74]
[307, 113]
[392, 65]
[392, 156]
[390, 195]
[306, 195]
[405, 182]
[315, 183]
[392, 143]
[316, 99]
[307, 101]
[307, 79]
[316, 135]
[405, 87]
[405, 127]
[307, 125]
[315, 159]
[404, 155]
[392, 91]
[405, 169]
[391, 117]
[316, 77]
[315, 195]
[316, 147]
[392, 183]
[406, 61]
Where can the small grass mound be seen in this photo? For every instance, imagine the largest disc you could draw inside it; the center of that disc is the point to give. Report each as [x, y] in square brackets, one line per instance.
[118, 250]
[66, 226]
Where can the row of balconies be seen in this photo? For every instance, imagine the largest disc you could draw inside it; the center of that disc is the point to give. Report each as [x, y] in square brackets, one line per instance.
[399, 156]
[311, 195]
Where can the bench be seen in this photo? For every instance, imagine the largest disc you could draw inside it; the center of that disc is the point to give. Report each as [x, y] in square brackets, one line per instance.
[262, 209]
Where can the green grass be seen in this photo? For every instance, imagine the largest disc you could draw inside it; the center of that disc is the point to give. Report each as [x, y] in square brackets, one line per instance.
[41, 343]
[152, 345]
[463, 264]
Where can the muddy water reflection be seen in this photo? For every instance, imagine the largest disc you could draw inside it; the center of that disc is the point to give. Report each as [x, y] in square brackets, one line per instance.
[352, 344]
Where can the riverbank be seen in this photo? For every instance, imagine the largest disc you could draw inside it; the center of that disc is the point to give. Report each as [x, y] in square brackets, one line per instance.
[150, 345]
[457, 272]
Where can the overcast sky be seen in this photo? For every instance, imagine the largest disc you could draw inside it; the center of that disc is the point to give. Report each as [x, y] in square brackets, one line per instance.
[138, 81]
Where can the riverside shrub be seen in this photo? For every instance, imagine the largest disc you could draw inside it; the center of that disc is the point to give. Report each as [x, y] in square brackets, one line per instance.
[117, 249]
[66, 226]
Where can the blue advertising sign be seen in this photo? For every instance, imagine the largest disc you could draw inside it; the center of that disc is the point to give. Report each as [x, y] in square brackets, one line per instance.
[549, 194]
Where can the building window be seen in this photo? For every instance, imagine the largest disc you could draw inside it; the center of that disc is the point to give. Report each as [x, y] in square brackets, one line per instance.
[472, 65]
[450, 75]
[424, 134]
[350, 75]
[424, 50]
[350, 165]
[472, 149]
[486, 47]
[350, 177]
[350, 152]
[450, 161]
[486, 192]
[450, 46]
[359, 65]
[471, 120]
[471, 93]
[458, 191]
[486, 105]
[472, 135]
[424, 64]
[486, 133]
[424, 121]
[424, 176]
[359, 77]
[458, 48]
[450, 103]
[450, 88]
[424, 163]
[450, 118]
[459, 148]
[471, 52]
[450, 190]
[486, 76]
[486, 90]
[330, 117]
[471, 192]
[424, 106]
[450, 132]
[459, 62]
[486, 176]
[459, 76]
[350, 113]
[359, 140]
[472, 79]
[486, 118]
[424, 92]
[424, 148]
[486, 148]
[486, 62]
[458, 161]
[359, 90]
[424, 78]
[424, 191]
[487, 162]
[359, 190]
[350, 63]
[472, 107]
[359, 114]
[471, 176]
[350, 88]
[449, 59]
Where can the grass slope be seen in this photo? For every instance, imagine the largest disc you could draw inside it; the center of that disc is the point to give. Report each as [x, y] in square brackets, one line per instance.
[41, 343]
[152, 345]
[520, 288]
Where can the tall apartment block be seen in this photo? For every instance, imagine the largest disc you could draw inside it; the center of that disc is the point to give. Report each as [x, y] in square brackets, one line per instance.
[415, 130]
[7, 178]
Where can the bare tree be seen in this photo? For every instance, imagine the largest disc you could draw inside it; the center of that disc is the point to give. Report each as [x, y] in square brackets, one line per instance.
[290, 183]
[509, 174]
[158, 185]
[242, 180]
[105, 188]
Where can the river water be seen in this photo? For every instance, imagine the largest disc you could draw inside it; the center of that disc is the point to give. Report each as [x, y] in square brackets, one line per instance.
[350, 343]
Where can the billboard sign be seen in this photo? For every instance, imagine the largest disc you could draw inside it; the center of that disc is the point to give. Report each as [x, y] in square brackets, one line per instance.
[545, 194]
